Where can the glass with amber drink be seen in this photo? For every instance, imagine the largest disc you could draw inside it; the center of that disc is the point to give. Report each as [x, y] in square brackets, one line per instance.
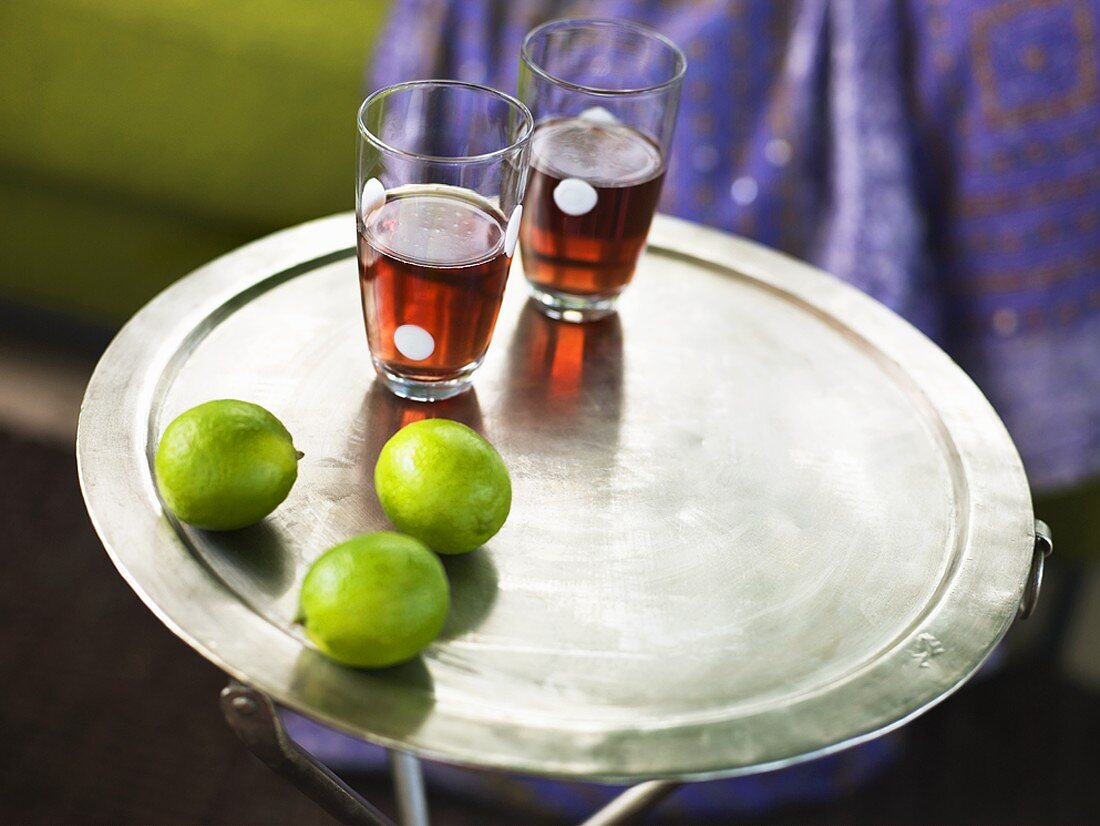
[441, 173]
[604, 94]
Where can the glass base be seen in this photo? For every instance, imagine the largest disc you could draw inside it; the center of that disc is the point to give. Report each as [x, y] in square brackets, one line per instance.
[426, 391]
[576, 309]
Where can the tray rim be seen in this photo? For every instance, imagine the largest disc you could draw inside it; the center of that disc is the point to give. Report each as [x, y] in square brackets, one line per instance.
[186, 309]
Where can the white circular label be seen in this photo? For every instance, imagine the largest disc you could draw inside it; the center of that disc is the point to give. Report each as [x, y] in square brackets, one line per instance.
[413, 342]
[575, 197]
[597, 114]
[512, 232]
[374, 195]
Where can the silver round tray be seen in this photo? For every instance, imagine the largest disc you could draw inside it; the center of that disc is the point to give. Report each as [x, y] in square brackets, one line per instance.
[757, 517]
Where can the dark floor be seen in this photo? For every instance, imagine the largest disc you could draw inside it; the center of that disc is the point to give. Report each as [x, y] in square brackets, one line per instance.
[107, 718]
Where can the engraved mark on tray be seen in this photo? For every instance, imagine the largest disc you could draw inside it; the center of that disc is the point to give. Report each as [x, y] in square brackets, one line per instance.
[926, 648]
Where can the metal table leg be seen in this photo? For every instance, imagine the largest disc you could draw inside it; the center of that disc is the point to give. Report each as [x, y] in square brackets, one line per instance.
[631, 802]
[252, 716]
[408, 784]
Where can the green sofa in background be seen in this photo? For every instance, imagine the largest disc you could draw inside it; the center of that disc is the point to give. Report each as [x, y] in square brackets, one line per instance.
[141, 138]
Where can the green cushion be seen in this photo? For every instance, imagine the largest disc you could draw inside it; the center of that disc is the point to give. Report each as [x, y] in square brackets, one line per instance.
[188, 123]
[97, 259]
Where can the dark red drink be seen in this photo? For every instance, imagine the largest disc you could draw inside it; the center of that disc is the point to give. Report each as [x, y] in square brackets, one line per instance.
[432, 269]
[591, 196]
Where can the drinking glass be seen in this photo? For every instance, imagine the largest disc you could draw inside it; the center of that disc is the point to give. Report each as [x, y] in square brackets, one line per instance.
[441, 173]
[604, 94]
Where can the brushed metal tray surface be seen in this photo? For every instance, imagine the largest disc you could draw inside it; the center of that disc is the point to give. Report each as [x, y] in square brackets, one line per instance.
[756, 516]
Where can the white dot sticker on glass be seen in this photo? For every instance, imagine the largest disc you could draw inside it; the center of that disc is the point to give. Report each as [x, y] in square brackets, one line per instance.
[413, 342]
[374, 195]
[597, 114]
[511, 233]
[575, 197]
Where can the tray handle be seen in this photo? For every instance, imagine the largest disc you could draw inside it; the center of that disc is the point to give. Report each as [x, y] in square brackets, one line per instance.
[1044, 545]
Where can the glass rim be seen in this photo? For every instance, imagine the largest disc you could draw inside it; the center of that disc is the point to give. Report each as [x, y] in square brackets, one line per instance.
[601, 22]
[514, 103]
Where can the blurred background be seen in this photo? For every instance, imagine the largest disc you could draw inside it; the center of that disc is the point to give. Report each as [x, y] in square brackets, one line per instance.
[942, 155]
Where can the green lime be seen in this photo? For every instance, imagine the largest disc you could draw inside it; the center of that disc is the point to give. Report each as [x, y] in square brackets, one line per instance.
[225, 464]
[375, 600]
[443, 483]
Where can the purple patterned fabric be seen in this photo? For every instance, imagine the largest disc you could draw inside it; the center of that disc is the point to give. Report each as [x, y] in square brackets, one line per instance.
[944, 157]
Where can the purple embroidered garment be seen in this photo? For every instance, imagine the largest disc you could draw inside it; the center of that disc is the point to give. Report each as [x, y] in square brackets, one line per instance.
[942, 156]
